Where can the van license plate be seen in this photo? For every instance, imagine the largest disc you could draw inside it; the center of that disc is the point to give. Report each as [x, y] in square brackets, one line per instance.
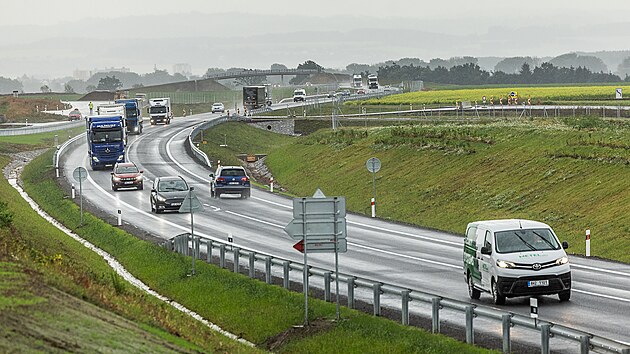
[534, 283]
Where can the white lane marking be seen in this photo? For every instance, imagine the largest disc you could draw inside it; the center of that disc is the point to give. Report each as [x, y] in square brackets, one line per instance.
[601, 295]
[254, 219]
[408, 257]
[615, 272]
[356, 244]
[458, 244]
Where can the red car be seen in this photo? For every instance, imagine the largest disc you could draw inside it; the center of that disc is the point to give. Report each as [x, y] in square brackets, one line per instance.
[75, 114]
[127, 175]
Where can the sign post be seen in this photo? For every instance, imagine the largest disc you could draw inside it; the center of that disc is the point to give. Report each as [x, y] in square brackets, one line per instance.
[191, 204]
[373, 165]
[319, 225]
[619, 93]
[80, 174]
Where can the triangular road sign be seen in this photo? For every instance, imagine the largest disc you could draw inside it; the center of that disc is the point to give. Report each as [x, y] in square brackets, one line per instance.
[191, 203]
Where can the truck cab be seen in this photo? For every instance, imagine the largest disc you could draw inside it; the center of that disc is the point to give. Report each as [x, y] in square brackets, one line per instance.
[160, 110]
[133, 115]
[299, 95]
[106, 140]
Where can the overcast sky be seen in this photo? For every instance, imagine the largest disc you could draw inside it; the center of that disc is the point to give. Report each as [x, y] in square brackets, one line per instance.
[40, 37]
[20, 12]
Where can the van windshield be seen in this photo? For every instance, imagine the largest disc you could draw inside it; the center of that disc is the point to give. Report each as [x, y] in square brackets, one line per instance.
[525, 240]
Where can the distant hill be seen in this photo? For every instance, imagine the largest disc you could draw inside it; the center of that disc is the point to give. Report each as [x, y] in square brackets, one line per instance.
[184, 86]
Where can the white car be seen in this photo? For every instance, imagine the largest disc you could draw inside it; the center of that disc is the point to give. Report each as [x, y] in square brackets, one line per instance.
[218, 108]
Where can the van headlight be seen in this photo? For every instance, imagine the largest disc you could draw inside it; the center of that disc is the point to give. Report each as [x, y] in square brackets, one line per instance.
[562, 260]
[505, 264]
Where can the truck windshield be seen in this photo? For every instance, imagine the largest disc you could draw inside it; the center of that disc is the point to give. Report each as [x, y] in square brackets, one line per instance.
[525, 240]
[107, 136]
[154, 110]
[131, 112]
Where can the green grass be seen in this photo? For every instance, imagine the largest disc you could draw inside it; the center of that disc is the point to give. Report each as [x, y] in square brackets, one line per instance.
[252, 309]
[16, 143]
[41, 259]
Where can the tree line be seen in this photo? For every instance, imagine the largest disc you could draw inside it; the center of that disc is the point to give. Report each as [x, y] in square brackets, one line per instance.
[472, 74]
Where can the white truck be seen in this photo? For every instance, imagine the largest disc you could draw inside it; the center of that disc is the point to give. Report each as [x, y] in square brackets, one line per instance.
[116, 109]
[357, 81]
[372, 82]
[160, 110]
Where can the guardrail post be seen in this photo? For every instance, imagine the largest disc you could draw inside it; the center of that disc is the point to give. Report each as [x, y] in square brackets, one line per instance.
[405, 307]
[209, 251]
[470, 333]
[435, 314]
[351, 286]
[625, 351]
[585, 344]
[196, 246]
[286, 268]
[252, 259]
[237, 252]
[222, 256]
[545, 329]
[268, 270]
[507, 325]
[377, 299]
[327, 280]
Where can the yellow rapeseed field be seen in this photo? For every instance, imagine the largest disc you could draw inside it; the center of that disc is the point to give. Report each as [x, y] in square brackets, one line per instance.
[538, 95]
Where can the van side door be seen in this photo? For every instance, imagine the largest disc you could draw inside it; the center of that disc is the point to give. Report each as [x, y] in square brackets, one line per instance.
[485, 261]
[471, 263]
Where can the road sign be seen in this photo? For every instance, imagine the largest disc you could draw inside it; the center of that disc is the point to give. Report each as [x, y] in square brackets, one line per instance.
[191, 203]
[322, 247]
[79, 174]
[316, 229]
[619, 93]
[373, 164]
[319, 208]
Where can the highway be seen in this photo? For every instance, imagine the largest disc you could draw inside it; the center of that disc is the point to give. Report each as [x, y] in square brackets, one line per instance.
[398, 254]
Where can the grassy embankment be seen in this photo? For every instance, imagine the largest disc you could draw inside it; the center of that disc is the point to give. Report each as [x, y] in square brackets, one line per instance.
[58, 296]
[29, 107]
[254, 310]
[17, 143]
[570, 173]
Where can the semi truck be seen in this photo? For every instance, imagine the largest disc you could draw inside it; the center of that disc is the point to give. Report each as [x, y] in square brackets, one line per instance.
[357, 81]
[256, 97]
[106, 140]
[372, 82]
[133, 115]
[160, 110]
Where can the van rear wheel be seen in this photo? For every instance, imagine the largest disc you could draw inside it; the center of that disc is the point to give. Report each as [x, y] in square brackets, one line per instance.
[472, 292]
[497, 298]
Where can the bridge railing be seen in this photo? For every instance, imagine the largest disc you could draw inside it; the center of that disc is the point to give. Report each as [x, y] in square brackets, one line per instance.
[244, 73]
[252, 260]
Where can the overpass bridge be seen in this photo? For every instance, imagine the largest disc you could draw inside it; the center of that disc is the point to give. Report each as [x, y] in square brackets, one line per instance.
[254, 72]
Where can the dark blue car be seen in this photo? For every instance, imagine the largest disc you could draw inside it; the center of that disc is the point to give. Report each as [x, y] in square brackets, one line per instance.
[230, 180]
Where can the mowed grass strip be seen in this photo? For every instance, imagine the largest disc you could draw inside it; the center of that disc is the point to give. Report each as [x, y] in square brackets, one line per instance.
[16, 143]
[254, 310]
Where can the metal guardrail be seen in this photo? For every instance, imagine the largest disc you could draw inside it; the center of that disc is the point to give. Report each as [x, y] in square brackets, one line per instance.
[34, 129]
[189, 246]
[60, 150]
[190, 146]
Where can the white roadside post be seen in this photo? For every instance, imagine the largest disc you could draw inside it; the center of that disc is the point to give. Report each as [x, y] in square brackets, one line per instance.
[271, 184]
[73, 191]
[533, 310]
[588, 242]
[119, 217]
[373, 165]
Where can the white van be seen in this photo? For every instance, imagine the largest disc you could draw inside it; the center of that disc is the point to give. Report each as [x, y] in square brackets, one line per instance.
[511, 258]
[299, 95]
